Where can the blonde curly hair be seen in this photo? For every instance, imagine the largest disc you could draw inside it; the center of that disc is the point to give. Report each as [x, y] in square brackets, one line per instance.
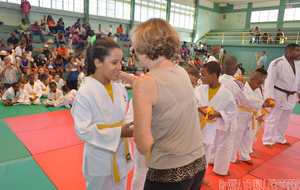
[155, 38]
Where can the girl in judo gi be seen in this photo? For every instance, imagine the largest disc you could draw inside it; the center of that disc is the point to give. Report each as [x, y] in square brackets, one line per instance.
[99, 112]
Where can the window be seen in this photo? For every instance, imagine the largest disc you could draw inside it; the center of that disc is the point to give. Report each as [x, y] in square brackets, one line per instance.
[68, 5]
[110, 8]
[264, 16]
[291, 14]
[182, 16]
[147, 9]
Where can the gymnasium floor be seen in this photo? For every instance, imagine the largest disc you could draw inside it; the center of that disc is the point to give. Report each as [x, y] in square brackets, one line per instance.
[39, 150]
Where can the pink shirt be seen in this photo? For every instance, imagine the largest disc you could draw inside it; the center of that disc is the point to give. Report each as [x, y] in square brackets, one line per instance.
[25, 6]
[182, 50]
[72, 31]
[75, 38]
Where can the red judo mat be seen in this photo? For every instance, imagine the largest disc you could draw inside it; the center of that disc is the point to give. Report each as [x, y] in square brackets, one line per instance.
[50, 138]
[38, 121]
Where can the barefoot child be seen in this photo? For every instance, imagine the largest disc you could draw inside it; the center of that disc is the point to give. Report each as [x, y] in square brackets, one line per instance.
[33, 91]
[216, 106]
[69, 97]
[55, 96]
[99, 112]
[246, 120]
[14, 95]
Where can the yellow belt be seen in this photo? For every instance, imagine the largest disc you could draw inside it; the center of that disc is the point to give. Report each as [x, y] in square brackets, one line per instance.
[127, 152]
[31, 94]
[16, 99]
[254, 113]
[204, 121]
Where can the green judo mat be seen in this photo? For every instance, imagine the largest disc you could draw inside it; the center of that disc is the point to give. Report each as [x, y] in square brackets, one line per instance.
[25, 174]
[296, 110]
[10, 146]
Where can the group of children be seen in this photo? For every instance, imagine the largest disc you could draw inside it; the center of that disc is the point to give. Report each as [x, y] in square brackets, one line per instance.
[35, 89]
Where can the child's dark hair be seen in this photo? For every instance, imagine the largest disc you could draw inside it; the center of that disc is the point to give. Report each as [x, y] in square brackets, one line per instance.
[58, 57]
[262, 71]
[52, 83]
[69, 58]
[58, 75]
[100, 49]
[65, 88]
[213, 67]
[192, 71]
[14, 84]
[30, 75]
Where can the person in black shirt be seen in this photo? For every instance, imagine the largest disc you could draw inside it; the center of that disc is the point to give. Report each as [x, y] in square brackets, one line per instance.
[13, 40]
[60, 25]
[83, 39]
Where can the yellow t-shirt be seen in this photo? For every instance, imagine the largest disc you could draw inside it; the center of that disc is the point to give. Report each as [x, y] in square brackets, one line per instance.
[32, 86]
[108, 89]
[212, 92]
[55, 96]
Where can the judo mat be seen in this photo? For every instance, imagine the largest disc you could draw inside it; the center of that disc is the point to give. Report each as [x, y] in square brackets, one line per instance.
[40, 150]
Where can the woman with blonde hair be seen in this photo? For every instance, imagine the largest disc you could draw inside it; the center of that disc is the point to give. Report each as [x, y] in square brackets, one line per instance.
[165, 111]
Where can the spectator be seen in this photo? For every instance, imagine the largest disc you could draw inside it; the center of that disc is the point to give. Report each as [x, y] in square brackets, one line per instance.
[28, 43]
[127, 32]
[51, 24]
[120, 33]
[3, 46]
[241, 68]
[185, 56]
[190, 62]
[91, 34]
[45, 25]
[184, 44]
[71, 51]
[262, 60]
[199, 47]
[59, 39]
[191, 50]
[80, 61]
[43, 76]
[59, 64]
[28, 54]
[9, 53]
[86, 25]
[25, 64]
[197, 63]
[45, 49]
[222, 58]
[100, 30]
[23, 28]
[76, 24]
[49, 64]
[72, 73]
[36, 30]
[60, 25]
[20, 50]
[131, 65]
[25, 6]
[109, 36]
[115, 38]
[221, 52]
[183, 50]
[204, 49]
[13, 40]
[250, 37]
[41, 61]
[109, 29]
[63, 52]
[270, 39]
[257, 34]
[75, 41]
[265, 38]
[71, 33]
[80, 29]
[9, 74]
[83, 40]
[54, 52]
[277, 39]
[281, 40]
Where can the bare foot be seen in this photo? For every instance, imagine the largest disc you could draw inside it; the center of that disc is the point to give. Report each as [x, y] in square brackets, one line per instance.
[249, 162]
[237, 161]
[287, 144]
[210, 164]
[268, 146]
[228, 173]
[47, 105]
[206, 182]
[254, 155]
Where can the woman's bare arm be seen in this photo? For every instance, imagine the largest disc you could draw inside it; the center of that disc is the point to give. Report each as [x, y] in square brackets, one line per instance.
[127, 78]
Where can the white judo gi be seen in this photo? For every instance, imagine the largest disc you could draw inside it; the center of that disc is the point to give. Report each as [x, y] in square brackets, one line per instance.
[44, 88]
[280, 74]
[30, 92]
[140, 161]
[69, 98]
[56, 99]
[222, 102]
[11, 96]
[243, 136]
[98, 122]
[223, 145]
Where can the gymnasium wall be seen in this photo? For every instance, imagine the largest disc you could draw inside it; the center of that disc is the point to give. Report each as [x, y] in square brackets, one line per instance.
[10, 14]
